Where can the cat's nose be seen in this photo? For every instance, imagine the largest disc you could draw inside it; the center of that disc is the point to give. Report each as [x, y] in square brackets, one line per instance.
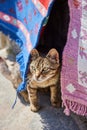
[37, 74]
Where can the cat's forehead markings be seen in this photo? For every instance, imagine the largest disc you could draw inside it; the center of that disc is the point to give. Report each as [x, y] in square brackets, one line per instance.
[38, 62]
[41, 61]
[46, 61]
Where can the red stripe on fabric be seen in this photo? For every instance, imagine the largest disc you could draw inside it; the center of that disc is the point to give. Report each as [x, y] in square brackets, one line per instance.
[45, 3]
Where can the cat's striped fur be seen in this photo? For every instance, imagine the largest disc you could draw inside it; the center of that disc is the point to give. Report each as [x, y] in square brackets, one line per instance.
[44, 72]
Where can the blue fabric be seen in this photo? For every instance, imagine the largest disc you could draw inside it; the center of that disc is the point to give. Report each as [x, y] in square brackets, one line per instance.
[18, 18]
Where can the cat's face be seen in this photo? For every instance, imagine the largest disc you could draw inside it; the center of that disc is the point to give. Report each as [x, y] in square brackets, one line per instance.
[43, 68]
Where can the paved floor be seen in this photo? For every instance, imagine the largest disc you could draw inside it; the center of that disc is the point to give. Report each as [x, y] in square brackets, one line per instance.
[21, 118]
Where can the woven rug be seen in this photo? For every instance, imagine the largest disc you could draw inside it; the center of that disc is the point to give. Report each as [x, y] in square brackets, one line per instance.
[23, 20]
[74, 69]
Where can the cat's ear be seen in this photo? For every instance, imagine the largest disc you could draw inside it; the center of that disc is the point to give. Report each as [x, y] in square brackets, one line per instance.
[34, 54]
[53, 56]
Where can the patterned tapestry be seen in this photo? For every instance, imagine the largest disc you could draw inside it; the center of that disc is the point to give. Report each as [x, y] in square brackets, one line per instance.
[74, 69]
[23, 21]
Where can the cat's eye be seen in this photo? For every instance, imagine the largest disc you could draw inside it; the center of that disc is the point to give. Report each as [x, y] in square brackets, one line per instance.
[45, 70]
[33, 68]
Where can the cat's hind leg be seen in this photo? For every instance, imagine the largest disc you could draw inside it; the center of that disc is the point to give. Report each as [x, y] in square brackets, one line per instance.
[54, 96]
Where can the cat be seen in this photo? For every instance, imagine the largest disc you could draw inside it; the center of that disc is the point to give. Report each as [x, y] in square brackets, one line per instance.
[43, 72]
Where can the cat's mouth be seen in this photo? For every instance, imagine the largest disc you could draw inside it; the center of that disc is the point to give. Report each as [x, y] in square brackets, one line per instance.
[41, 79]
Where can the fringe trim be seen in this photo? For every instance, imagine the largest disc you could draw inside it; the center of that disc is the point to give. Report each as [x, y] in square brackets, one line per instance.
[75, 107]
[20, 60]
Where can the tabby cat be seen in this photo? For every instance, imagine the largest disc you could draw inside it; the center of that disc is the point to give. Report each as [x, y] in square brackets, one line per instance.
[43, 73]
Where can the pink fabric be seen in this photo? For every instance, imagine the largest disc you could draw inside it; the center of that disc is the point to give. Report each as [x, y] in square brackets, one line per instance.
[74, 68]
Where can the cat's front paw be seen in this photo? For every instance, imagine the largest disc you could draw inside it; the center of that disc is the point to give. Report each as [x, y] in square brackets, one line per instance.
[34, 108]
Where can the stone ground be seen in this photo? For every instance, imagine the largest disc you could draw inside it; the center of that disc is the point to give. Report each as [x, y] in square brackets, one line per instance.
[21, 118]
